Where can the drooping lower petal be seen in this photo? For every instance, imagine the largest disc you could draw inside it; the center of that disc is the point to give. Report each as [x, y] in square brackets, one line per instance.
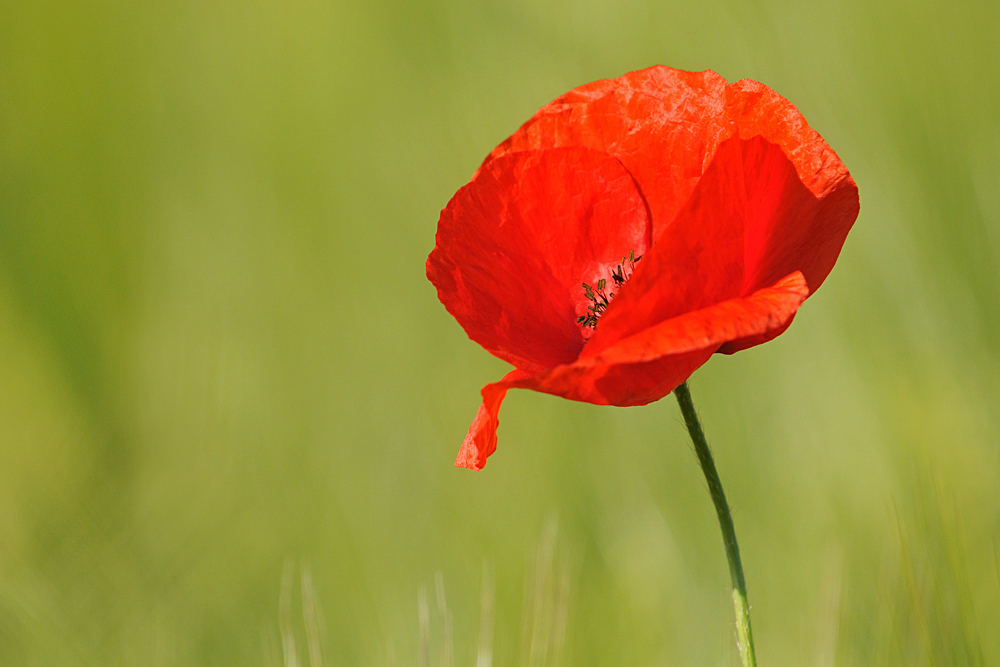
[481, 441]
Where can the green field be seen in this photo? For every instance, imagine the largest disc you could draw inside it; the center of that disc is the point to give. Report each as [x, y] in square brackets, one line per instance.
[222, 367]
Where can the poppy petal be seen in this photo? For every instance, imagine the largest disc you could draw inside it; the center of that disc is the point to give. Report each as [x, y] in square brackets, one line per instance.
[647, 366]
[734, 346]
[764, 312]
[757, 110]
[665, 126]
[515, 244]
[809, 201]
[749, 218]
[697, 262]
[481, 441]
[661, 123]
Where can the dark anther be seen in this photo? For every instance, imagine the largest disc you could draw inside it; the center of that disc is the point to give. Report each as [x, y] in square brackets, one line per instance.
[600, 298]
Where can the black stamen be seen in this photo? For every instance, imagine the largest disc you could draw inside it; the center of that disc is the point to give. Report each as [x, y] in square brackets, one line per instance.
[600, 298]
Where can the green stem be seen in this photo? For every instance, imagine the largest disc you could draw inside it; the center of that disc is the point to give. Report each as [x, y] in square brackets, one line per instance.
[744, 637]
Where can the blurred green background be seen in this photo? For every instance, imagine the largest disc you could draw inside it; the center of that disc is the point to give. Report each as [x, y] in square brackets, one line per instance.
[222, 368]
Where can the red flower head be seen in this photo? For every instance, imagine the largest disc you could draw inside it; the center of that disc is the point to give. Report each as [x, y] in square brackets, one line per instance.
[632, 228]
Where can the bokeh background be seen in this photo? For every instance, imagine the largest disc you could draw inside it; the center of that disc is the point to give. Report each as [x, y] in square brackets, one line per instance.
[230, 401]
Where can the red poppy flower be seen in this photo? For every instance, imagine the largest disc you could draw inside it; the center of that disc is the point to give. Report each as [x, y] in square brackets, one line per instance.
[632, 228]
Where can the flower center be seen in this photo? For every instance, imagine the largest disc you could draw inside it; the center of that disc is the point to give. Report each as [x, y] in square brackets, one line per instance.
[599, 298]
